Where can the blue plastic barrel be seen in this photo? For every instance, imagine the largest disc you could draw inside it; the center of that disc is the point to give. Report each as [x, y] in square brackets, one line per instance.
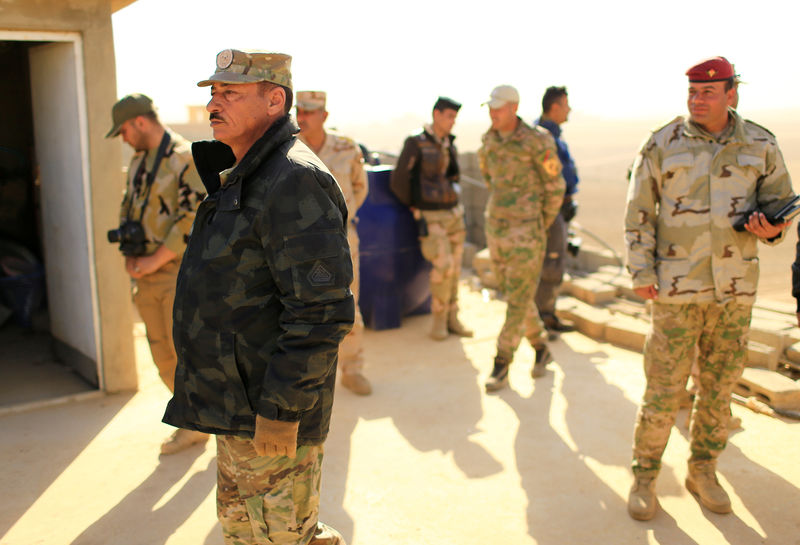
[394, 275]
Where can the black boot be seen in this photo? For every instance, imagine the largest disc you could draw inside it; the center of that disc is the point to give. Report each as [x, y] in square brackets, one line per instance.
[499, 377]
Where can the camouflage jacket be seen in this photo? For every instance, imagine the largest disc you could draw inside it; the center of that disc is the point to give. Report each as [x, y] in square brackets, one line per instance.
[344, 159]
[426, 171]
[687, 189]
[173, 197]
[523, 173]
[262, 300]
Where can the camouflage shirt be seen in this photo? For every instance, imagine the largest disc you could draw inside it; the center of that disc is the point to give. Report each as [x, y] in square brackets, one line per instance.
[687, 189]
[344, 159]
[262, 300]
[523, 173]
[172, 199]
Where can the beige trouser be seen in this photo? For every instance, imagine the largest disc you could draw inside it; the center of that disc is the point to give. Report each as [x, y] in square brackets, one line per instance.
[351, 359]
[154, 295]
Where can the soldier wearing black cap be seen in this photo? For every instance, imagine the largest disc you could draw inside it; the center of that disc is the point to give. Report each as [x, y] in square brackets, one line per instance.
[693, 181]
[424, 179]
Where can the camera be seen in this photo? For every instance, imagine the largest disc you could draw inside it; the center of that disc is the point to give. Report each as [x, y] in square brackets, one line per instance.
[131, 238]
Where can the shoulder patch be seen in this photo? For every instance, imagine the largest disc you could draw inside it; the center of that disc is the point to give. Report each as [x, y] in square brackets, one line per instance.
[551, 163]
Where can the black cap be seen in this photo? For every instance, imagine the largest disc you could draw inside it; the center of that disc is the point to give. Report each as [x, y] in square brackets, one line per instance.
[444, 103]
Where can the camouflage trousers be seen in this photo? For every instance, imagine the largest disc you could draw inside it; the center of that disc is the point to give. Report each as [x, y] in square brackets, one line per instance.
[517, 250]
[265, 500]
[154, 295]
[444, 249]
[351, 357]
[716, 336]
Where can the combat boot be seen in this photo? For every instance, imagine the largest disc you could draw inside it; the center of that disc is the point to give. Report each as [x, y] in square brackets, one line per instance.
[543, 357]
[356, 383]
[439, 326]
[642, 500]
[499, 377]
[182, 439]
[455, 326]
[706, 487]
[325, 535]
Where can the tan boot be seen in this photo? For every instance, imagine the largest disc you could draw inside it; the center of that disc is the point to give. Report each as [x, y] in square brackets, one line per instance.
[706, 487]
[439, 327]
[356, 383]
[182, 439]
[642, 500]
[455, 326]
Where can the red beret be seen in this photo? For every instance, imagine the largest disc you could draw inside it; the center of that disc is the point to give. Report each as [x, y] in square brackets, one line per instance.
[713, 69]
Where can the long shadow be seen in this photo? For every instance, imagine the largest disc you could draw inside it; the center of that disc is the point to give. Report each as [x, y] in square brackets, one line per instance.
[134, 520]
[567, 500]
[431, 395]
[25, 436]
[769, 497]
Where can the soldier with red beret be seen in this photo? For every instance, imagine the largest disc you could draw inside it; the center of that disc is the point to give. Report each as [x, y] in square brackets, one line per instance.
[693, 180]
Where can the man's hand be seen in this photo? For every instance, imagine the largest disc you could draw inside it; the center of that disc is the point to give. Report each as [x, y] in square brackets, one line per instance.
[647, 292]
[275, 438]
[758, 225]
[138, 267]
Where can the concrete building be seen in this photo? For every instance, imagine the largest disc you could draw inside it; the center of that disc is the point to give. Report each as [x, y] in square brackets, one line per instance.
[57, 86]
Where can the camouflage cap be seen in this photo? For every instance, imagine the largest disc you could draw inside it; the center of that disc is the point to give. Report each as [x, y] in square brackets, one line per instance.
[234, 66]
[127, 108]
[311, 100]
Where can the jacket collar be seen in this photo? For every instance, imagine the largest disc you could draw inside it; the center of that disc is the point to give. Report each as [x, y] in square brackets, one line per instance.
[550, 125]
[732, 133]
[212, 156]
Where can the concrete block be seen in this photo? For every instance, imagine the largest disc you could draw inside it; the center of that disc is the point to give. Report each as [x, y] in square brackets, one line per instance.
[592, 291]
[761, 333]
[591, 259]
[627, 332]
[792, 353]
[762, 355]
[773, 388]
[589, 320]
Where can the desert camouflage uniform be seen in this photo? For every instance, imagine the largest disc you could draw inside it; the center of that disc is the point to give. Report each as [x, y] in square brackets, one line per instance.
[424, 178]
[344, 159]
[247, 506]
[166, 219]
[687, 190]
[526, 190]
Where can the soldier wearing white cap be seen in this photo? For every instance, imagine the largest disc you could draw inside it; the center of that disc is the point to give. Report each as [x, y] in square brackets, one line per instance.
[344, 159]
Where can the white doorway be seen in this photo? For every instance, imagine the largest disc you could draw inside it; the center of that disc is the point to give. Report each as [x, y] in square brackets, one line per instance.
[59, 119]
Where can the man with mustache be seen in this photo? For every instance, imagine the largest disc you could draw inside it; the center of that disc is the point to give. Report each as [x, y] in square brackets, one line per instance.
[691, 182]
[263, 301]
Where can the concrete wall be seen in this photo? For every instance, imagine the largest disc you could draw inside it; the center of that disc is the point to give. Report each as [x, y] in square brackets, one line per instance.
[27, 20]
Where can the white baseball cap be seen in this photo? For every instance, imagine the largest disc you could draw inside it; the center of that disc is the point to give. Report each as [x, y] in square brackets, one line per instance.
[502, 95]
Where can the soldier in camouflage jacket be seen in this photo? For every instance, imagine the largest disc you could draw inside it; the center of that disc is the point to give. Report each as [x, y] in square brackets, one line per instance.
[521, 168]
[262, 303]
[692, 181]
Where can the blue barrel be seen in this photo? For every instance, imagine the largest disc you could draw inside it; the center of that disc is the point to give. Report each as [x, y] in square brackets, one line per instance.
[394, 275]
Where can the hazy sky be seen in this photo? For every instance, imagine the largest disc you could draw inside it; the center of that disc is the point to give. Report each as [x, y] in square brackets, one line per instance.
[381, 61]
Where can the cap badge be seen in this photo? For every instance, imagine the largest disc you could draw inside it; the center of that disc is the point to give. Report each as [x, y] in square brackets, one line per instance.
[711, 72]
[224, 59]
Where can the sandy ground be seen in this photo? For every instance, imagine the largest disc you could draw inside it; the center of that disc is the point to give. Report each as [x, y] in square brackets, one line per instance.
[428, 459]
